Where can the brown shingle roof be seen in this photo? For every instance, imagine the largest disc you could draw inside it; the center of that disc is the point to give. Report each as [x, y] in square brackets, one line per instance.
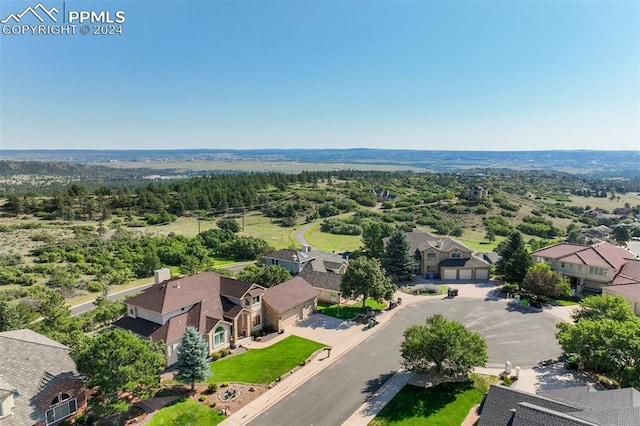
[202, 298]
[290, 294]
[603, 254]
[628, 274]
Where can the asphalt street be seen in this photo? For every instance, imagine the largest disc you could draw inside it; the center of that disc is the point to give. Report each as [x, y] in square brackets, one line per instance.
[520, 336]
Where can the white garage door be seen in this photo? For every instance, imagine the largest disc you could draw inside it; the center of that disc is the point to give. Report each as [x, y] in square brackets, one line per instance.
[450, 274]
[482, 274]
[464, 274]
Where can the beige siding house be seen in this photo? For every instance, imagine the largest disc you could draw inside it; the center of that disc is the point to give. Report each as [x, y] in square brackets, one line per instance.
[222, 309]
[446, 258]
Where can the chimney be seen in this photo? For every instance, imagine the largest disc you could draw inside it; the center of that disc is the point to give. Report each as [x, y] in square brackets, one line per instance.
[160, 275]
[306, 248]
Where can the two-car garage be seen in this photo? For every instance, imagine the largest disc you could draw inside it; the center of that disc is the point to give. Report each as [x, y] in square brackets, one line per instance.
[464, 269]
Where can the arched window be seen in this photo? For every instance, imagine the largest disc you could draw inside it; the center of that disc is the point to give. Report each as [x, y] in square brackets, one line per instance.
[62, 406]
[218, 336]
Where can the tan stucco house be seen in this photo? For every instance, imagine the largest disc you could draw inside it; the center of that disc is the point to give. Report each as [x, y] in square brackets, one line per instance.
[222, 309]
[587, 266]
[446, 258]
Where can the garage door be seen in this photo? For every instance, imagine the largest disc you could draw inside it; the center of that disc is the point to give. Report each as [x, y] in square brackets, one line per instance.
[450, 274]
[290, 320]
[482, 274]
[464, 274]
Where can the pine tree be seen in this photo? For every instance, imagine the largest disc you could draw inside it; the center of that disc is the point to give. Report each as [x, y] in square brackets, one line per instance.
[192, 365]
[515, 261]
[397, 259]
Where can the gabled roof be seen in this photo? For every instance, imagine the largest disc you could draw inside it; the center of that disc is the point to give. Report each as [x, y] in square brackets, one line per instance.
[289, 294]
[575, 406]
[29, 364]
[203, 300]
[628, 274]
[316, 274]
[422, 241]
[472, 262]
[177, 293]
[290, 255]
[604, 255]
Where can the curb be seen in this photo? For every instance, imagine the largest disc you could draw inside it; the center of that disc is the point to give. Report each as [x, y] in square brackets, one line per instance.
[230, 421]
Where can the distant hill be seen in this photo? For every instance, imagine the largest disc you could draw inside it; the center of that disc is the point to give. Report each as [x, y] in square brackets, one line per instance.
[581, 161]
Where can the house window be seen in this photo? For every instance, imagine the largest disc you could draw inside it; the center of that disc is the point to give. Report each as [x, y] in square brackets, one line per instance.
[256, 320]
[218, 337]
[247, 302]
[62, 407]
[132, 311]
[562, 265]
[431, 255]
[594, 270]
[255, 299]
[455, 255]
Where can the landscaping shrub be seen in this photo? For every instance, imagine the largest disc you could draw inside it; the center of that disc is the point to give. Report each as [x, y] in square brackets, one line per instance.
[213, 387]
[202, 398]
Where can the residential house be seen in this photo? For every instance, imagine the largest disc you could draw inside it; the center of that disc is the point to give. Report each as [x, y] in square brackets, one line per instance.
[383, 195]
[292, 260]
[446, 258]
[222, 309]
[289, 302]
[576, 406]
[39, 382]
[325, 276]
[626, 283]
[476, 192]
[588, 266]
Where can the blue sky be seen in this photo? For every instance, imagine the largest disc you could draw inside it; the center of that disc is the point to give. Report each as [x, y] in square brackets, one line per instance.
[472, 75]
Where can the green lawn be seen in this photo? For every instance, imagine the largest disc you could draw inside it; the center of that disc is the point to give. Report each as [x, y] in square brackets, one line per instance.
[259, 226]
[264, 365]
[348, 311]
[332, 242]
[187, 412]
[444, 405]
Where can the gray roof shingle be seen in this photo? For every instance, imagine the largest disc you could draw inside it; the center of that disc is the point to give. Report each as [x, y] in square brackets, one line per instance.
[29, 363]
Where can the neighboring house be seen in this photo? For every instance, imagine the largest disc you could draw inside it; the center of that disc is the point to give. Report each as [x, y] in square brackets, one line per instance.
[289, 302]
[383, 195]
[446, 258]
[222, 309]
[39, 382]
[587, 266]
[594, 235]
[577, 406]
[325, 276]
[292, 260]
[627, 284]
[476, 192]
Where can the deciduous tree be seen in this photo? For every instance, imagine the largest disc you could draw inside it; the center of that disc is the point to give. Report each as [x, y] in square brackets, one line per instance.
[118, 361]
[192, 365]
[541, 280]
[364, 277]
[267, 276]
[443, 346]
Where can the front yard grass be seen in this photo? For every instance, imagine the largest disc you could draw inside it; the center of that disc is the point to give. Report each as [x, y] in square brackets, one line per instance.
[186, 412]
[347, 312]
[444, 405]
[264, 365]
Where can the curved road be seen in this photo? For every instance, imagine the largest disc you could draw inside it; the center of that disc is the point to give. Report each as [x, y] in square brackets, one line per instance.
[333, 395]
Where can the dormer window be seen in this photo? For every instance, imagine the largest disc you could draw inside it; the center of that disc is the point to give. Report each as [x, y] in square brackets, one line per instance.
[255, 300]
[62, 406]
[455, 255]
